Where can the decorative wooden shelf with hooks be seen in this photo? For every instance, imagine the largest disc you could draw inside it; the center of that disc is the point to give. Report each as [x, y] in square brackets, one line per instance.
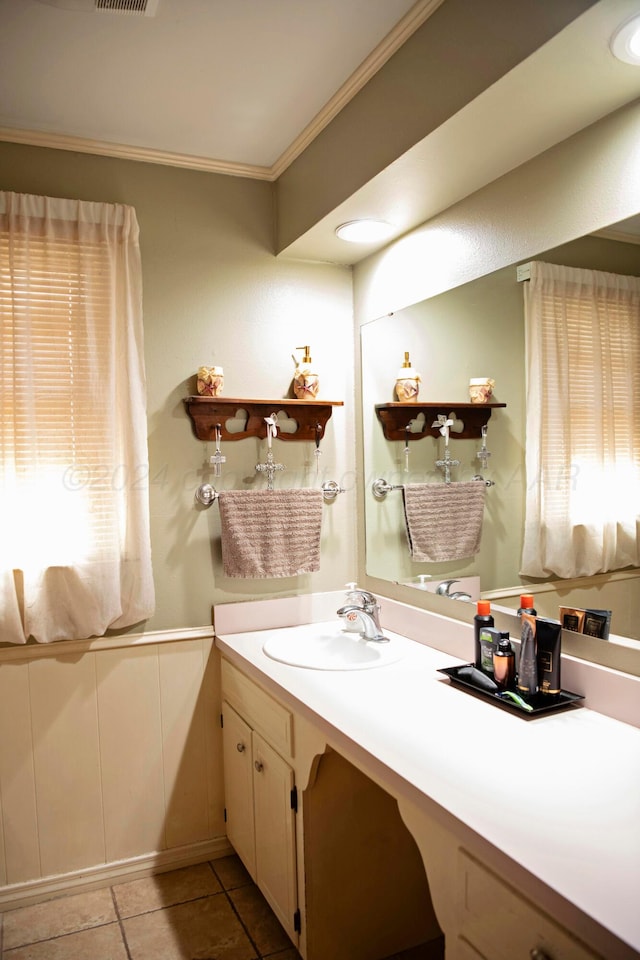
[397, 417]
[241, 418]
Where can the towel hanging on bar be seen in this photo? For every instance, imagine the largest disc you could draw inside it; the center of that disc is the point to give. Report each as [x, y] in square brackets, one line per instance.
[443, 520]
[270, 533]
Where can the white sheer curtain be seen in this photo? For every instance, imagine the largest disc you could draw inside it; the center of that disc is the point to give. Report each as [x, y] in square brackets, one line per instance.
[583, 422]
[75, 556]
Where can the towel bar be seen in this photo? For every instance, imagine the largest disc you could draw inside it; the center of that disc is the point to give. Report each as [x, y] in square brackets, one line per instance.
[206, 494]
[381, 488]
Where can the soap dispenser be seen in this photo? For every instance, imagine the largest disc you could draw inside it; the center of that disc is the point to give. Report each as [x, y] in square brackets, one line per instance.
[306, 383]
[407, 382]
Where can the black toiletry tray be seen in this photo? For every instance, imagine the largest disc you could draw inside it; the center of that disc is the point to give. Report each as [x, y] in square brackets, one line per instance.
[542, 703]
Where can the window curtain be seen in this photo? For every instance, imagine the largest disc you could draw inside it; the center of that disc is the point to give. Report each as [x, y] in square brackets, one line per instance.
[75, 556]
[582, 512]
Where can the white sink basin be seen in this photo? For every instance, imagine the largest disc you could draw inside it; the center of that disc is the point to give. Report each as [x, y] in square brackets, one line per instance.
[327, 647]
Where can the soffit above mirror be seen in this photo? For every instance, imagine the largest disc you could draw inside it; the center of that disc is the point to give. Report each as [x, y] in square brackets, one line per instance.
[567, 84]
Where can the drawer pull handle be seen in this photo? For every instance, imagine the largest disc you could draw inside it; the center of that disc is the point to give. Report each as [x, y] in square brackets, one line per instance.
[240, 747]
[258, 765]
[536, 954]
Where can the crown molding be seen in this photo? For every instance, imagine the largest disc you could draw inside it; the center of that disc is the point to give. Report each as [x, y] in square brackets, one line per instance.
[619, 235]
[59, 141]
[417, 15]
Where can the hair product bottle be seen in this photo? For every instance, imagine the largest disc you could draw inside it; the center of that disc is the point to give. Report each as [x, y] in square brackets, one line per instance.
[504, 663]
[482, 619]
[549, 638]
[528, 665]
[526, 605]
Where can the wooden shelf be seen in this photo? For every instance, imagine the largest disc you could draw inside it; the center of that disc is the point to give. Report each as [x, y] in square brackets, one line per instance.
[310, 417]
[396, 417]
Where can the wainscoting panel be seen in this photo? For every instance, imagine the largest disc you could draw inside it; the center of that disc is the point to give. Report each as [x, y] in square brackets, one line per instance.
[109, 755]
[17, 777]
[131, 751]
[66, 761]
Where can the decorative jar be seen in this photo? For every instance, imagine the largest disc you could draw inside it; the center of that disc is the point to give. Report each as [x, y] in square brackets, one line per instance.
[210, 381]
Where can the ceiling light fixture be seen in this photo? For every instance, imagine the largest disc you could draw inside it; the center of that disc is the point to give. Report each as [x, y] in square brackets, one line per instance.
[625, 43]
[364, 231]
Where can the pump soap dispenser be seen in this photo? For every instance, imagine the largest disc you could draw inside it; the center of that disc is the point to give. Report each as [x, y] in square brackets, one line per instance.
[306, 383]
[407, 382]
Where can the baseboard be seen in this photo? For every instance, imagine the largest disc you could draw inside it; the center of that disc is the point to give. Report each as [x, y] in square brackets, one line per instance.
[105, 875]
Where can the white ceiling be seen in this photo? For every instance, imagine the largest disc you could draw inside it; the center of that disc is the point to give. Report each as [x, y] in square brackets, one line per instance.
[240, 86]
[234, 81]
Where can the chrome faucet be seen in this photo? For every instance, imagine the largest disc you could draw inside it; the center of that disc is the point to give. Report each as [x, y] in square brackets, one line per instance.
[364, 609]
[444, 589]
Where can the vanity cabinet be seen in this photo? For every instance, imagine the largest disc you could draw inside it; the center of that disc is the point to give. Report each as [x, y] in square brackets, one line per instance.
[260, 792]
[497, 923]
[416, 880]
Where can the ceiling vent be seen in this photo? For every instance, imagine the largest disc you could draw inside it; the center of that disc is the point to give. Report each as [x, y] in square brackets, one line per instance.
[141, 8]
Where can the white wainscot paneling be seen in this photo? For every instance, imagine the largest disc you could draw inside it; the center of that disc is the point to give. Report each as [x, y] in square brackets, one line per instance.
[110, 759]
[131, 751]
[21, 853]
[66, 761]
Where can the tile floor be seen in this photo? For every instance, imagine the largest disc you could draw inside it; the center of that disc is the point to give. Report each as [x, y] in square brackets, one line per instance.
[211, 911]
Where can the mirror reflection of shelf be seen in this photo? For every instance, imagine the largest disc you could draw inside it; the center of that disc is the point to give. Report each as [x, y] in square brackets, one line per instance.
[413, 421]
[241, 418]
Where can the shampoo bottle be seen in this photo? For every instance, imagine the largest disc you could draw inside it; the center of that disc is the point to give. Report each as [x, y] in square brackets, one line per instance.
[482, 619]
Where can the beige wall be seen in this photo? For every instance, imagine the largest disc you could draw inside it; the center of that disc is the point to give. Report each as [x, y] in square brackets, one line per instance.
[215, 293]
[113, 753]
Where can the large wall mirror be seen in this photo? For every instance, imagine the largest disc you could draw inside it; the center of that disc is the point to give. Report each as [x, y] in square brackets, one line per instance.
[477, 330]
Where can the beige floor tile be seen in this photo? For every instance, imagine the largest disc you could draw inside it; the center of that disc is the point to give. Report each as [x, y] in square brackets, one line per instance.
[231, 872]
[99, 943]
[165, 889]
[263, 927]
[54, 918]
[198, 930]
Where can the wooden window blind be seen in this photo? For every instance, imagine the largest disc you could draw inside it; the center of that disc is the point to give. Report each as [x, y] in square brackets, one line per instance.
[60, 478]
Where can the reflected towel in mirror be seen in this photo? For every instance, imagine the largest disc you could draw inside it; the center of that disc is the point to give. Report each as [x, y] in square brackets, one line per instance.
[270, 533]
[443, 520]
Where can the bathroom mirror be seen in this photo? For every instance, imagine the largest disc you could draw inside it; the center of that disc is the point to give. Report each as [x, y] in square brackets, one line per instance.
[475, 330]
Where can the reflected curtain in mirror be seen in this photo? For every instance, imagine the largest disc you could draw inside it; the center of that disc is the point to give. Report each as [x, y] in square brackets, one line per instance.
[582, 331]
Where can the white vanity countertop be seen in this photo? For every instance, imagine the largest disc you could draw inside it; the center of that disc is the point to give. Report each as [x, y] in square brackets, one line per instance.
[558, 794]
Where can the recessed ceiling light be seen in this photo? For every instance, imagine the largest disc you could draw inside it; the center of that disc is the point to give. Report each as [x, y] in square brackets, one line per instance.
[625, 43]
[364, 231]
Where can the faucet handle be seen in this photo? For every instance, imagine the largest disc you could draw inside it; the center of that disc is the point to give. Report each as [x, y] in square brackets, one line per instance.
[367, 599]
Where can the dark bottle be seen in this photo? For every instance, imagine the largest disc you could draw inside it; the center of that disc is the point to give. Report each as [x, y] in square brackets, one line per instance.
[528, 663]
[504, 663]
[526, 605]
[482, 619]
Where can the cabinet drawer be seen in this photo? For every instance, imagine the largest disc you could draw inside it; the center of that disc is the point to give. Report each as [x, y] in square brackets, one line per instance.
[261, 711]
[502, 925]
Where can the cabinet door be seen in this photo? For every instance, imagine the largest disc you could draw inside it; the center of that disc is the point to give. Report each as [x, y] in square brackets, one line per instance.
[238, 786]
[501, 924]
[275, 832]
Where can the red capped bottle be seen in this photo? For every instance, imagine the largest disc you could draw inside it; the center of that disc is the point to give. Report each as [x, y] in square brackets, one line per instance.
[483, 618]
